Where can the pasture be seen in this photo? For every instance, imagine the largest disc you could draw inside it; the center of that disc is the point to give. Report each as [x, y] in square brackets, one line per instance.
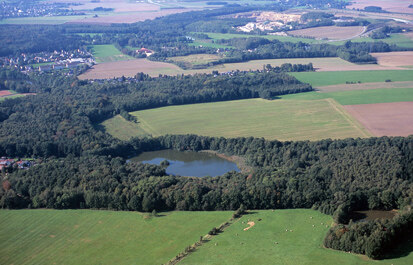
[99, 237]
[195, 59]
[329, 32]
[108, 53]
[280, 237]
[277, 119]
[356, 97]
[317, 79]
[225, 36]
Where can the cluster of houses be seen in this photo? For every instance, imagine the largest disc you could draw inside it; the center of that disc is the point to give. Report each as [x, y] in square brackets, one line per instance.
[10, 9]
[145, 51]
[48, 61]
[10, 163]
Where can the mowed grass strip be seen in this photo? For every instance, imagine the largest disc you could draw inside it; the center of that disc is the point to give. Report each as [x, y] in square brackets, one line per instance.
[317, 79]
[99, 237]
[108, 53]
[281, 237]
[277, 119]
[356, 97]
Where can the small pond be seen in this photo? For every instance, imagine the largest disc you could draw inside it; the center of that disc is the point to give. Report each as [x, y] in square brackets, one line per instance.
[372, 215]
[194, 164]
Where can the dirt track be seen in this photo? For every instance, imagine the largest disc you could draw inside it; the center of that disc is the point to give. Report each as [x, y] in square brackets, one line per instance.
[385, 119]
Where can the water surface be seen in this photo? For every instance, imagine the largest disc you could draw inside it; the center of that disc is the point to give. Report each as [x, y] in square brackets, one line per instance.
[188, 163]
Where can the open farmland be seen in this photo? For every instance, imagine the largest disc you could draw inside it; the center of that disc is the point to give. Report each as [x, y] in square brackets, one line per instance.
[195, 59]
[317, 79]
[394, 58]
[355, 97]
[129, 69]
[225, 36]
[108, 53]
[277, 119]
[329, 32]
[398, 6]
[391, 119]
[363, 86]
[99, 237]
[268, 242]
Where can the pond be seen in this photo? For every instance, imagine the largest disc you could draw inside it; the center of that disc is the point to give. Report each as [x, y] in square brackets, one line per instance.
[188, 163]
[372, 215]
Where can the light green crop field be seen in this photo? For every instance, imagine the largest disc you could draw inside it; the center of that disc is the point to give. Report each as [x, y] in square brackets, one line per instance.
[205, 43]
[317, 79]
[108, 53]
[268, 242]
[398, 39]
[99, 237]
[276, 119]
[355, 97]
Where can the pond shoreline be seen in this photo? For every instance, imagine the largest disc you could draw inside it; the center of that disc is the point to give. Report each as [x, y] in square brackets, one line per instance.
[238, 160]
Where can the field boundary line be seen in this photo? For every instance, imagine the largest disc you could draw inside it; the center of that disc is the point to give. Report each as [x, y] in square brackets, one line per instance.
[146, 127]
[350, 119]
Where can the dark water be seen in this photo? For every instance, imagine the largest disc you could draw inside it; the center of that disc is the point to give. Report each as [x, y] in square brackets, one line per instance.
[187, 163]
[372, 215]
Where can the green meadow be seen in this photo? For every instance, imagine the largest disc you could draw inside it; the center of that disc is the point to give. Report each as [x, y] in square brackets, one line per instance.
[355, 97]
[99, 237]
[280, 237]
[108, 53]
[317, 79]
[225, 36]
[272, 119]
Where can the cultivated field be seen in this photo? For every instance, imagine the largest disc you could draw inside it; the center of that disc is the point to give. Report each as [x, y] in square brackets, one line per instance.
[218, 36]
[391, 119]
[394, 58]
[99, 237]
[277, 119]
[363, 86]
[398, 6]
[129, 69]
[5, 93]
[268, 242]
[330, 32]
[355, 97]
[318, 79]
[108, 53]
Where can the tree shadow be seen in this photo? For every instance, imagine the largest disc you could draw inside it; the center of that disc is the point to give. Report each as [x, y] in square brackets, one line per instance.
[400, 250]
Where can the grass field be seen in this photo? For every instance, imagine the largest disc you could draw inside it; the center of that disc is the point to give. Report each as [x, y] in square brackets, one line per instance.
[277, 119]
[356, 97]
[108, 53]
[99, 237]
[195, 59]
[303, 245]
[122, 128]
[317, 79]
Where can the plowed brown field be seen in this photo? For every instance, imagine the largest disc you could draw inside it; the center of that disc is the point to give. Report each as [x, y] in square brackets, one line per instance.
[385, 119]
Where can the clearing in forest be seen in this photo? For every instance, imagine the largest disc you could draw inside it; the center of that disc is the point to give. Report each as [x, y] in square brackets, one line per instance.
[99, 237]
[277, 119]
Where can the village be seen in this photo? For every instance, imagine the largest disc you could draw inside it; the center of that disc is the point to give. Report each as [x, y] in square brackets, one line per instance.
[34, 9]
[16, 163]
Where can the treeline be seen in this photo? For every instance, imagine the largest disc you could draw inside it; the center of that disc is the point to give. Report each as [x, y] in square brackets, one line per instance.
[260, 48]
[376, 239]
[60, 119]
[319, 175]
